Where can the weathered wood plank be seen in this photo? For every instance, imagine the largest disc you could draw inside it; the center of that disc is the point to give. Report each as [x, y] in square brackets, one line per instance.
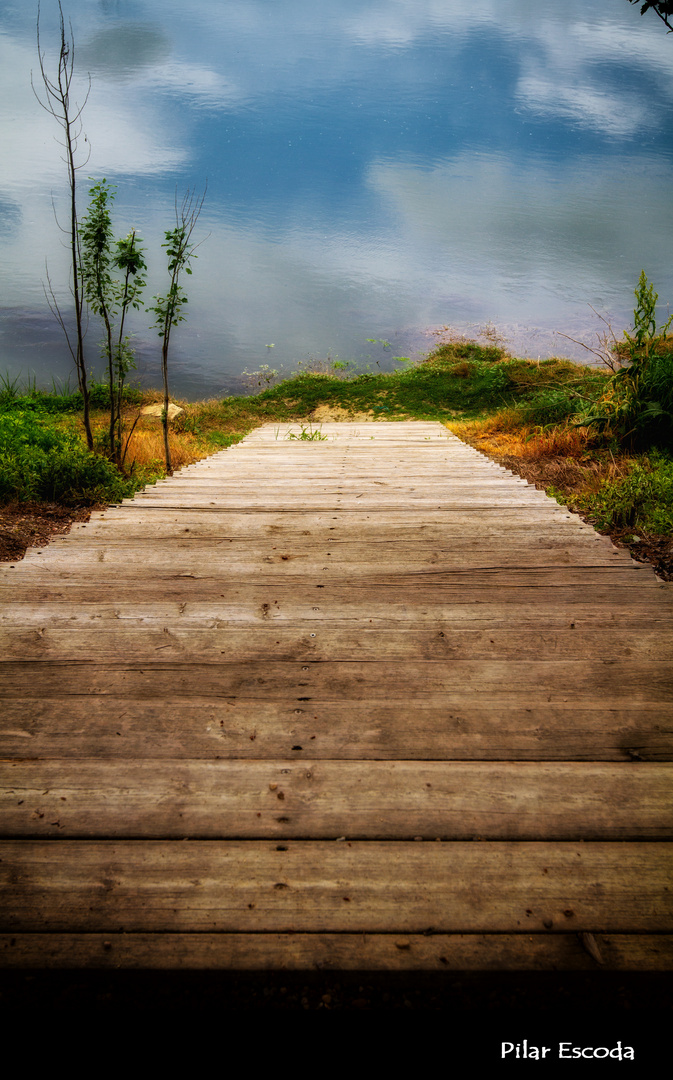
[292, 559]
[507, 517]
[112, 639]
[246, 557]
[290, 613]
[361, 544]
[246, 528]
[375, 728]
[336, 952]
[461, 681]
[462, 629]
[352, 605]
[301, 503]
[434, 728]
[320, 886]
[327, 799]
[622, 575]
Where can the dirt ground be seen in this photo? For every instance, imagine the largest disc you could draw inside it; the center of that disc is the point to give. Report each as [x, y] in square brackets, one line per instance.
[24, 525]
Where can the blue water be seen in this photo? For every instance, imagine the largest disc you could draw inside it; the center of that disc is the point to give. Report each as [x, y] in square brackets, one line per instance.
[376, 169]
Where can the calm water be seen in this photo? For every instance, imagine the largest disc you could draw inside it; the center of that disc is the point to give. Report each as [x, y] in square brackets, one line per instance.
[375, 168]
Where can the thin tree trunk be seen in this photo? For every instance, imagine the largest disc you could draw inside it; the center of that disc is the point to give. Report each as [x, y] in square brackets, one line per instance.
[80, 362]
[164, 369]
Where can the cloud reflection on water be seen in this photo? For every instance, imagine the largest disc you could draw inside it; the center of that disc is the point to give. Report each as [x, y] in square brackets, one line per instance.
[373, 167]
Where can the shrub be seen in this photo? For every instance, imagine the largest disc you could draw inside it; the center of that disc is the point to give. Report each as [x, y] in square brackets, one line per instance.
[41, 461]
[637, 408]
[643, 499]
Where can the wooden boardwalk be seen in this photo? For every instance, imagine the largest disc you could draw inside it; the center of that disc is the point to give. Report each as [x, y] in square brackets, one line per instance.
[371, 702]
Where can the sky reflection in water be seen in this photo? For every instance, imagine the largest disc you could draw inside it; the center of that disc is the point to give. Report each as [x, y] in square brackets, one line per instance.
[375, 170]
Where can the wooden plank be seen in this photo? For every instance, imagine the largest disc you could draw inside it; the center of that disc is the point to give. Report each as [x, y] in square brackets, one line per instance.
[280, 487]
[112, 638]
[373, 519]
[618, 575]
[349, 612]
[347, 471]
[327, 799]
[278, 483]
[593, 682]
[354, 604]
[244, 528]
[333, 503]
[369, 545]
[321, 886]
[225, 558]
[335, 952]
[409, 683]
[434, 728]
[420, 549]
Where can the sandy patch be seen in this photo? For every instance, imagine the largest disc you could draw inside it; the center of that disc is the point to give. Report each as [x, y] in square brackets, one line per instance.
[335, 413]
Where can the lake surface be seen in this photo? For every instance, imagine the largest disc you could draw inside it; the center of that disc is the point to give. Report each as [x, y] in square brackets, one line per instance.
[376, 169]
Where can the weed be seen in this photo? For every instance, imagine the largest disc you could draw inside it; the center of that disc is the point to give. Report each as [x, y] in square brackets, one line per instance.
[556, 493]
[307, 434]
[637, 406]
[264, 376]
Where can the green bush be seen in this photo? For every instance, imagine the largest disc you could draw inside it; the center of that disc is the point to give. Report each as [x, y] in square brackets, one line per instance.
[641, 500]
[39, 461]
[39, 402]
[655, 422]
[637, 408]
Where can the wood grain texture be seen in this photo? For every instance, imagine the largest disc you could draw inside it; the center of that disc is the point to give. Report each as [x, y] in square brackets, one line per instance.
[230, 707]
[326, 799]
[327, 886]
[370, 728]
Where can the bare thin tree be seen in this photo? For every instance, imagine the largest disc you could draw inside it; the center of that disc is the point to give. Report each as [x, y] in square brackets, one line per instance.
[56, 100]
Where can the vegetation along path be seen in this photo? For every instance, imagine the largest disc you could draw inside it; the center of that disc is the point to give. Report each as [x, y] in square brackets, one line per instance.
[365, 700]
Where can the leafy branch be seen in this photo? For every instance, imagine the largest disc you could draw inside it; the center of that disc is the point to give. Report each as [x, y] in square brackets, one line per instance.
[168, 308]
[662, 8]
[110, 296]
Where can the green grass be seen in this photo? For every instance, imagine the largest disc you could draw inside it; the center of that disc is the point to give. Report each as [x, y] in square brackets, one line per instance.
[461, 378]
[27, 397]
[642, 500]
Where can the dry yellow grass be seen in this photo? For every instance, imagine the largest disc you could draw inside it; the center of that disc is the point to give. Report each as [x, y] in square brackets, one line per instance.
[146, 447]
[560, 458]
[504, 434]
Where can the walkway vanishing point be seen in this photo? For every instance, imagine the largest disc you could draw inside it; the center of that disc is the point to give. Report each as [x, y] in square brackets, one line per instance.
[371, 702]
